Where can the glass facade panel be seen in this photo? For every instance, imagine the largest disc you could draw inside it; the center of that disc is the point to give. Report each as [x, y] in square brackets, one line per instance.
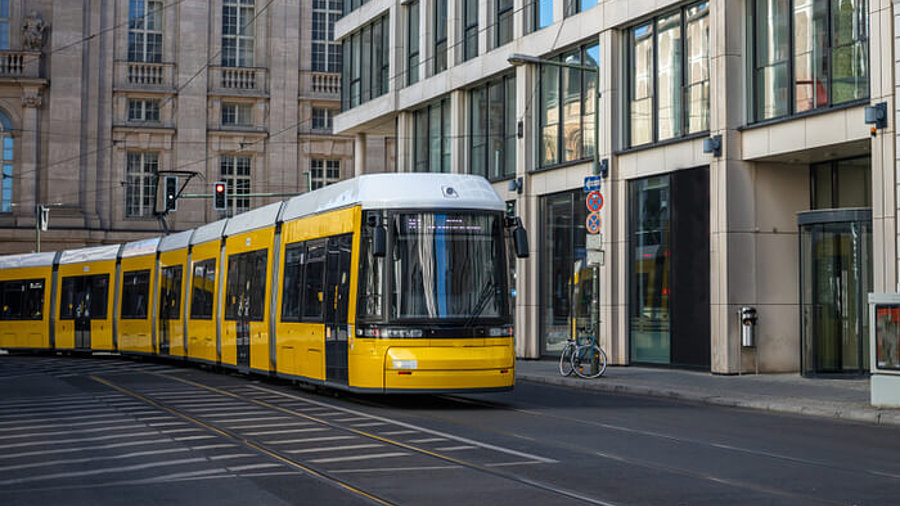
[641, 89]
[850, 50]
[549, 115]
[571, 109]
[470, 29]
[841, 183]
[479, 131]
[649, 307]
[431, 141]
[772, 36]
[504, 29]
[439, 24]
[543, 13]
[696, 93]
[367, 64]
[668, 75]
[591, 59]
[810, 54]
[412, 43]
[566, 281]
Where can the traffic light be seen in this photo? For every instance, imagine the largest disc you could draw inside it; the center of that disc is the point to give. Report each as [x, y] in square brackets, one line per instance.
[171, 193]
[219, 202]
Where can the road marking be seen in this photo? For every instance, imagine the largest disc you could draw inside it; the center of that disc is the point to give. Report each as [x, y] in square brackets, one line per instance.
[226, 413]
[330, 460]
[352, 419]
[58, 425]
[106, 470]
[165, 424]
[286, 431]
[79, 431]
[86, 417]
[252, 466]
[83, 449]
[309, 440]
[511, 464]
[336, 448]
[399, 432]
[179, 431]
[213, 447]
[270, 425]
[370, 424]
[63, 414]
[233, 456]
[394, 469]
[79, 440]
[193, 438]
[456, 448]
[428, 440]
[242, 420]
[91, 459]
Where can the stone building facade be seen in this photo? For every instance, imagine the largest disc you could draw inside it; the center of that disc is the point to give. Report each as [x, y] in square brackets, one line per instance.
[741, 170]
[99, 98]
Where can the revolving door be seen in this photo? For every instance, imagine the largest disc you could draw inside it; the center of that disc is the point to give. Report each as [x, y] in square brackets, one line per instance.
[835, 278]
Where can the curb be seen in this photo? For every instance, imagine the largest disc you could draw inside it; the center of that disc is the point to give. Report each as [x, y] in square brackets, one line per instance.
[791, 406]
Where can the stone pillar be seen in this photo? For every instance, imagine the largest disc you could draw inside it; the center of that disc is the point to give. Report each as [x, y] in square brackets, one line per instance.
[29, 192]
[528, 335]
[359, 155]
[458, 132]
[404, 160]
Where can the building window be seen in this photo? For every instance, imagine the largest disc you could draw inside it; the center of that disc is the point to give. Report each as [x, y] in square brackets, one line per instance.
[439, 24]
[492, 129]
[349, 5]
[323, 173]
[367, 66]
[235, 172]
[841, 183]
[567, 108]
[140, 184]
[431, 138]
[237, 114]
[238, 33]
[572, 7]
[541, 13]
[326, 55]
[143, 110]
[322, 118]
[144, 30]
[470, 29]
[668, 76]
[4, 25]
[503, 34]
[412, 43]
[808, 55]
[6, 164]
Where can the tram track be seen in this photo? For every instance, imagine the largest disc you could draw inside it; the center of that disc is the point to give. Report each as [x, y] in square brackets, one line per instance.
[322, 473]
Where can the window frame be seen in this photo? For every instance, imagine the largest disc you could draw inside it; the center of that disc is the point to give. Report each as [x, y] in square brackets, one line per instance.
[423, 117]
[439, 39]
[144, 179]
[236, 114]
[199, 296]
[144, 286]
[30, 294]
[139, 45]
[146, 110]
[413, 44]
[505, 84]
[242, 53]
[469, 29]
[230, 170]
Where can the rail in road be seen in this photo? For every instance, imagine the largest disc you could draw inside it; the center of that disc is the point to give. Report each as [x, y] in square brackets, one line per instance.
[269, 430]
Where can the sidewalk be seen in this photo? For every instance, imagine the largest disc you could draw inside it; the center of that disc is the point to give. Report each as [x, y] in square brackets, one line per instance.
[846, 399]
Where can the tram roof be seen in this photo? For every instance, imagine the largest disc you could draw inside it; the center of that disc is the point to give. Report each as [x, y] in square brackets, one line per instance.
[175, 241]
[209, 232]
[27, 260]
[398, 191]
[260, 217]
[140, 248]
[92, 254]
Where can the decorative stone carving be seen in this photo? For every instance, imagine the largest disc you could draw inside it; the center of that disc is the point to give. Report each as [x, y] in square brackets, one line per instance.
[31, 97]
[33, 29]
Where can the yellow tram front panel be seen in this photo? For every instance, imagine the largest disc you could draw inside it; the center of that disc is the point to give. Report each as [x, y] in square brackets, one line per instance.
[97, 335]
[137, 282]
[301, 345]
[240, 295]
[202, 301]
[177, 342]
[25, 323]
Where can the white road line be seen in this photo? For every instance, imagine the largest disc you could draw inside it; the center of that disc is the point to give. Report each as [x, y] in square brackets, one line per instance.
[398, 432]
[91, 459]
[242, 420]
[86, 417]
[106, 470]
[309, 440]
[179, 431]
[456, 448]
[232, 456]
[213, 447]
[286, 431]
[370, 424]
[165, 424]
[352, 419]
[176, 477]
[459, 439]
[78, 431]
[248, 467]
[270, 425]
[193, 438]
[510, 464]
[79, 440]
[394, 469]
[428, 440]
[336, 448]
[277, 473]
[359, 457]
[61, 414]
[154, 418]
[58, 425]
[84, 449]
[222, 414]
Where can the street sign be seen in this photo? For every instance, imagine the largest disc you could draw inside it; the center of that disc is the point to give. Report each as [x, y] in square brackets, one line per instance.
[592, 183]
[596, 257]
[592, 223]
[594, 242]
[594, 201]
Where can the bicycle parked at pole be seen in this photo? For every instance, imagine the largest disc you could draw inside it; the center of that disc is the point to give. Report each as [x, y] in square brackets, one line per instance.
[580, 355]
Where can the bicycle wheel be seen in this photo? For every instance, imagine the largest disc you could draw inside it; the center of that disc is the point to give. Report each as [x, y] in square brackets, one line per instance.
[581, 361]
[565, 360]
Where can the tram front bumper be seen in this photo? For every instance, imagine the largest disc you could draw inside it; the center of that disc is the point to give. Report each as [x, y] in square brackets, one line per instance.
[449, 368]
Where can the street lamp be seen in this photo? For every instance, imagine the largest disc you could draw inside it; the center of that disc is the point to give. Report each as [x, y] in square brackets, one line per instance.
[518, 59]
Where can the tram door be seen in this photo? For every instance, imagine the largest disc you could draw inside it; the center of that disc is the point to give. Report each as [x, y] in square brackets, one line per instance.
[84, 298]
[337, 296]
[245, 299]
[83, 321]
[169, 304]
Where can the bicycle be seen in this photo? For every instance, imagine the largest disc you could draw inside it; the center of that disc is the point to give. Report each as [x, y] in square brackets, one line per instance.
[578, 356]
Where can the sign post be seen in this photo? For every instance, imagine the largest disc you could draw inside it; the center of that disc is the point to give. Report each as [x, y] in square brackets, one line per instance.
[594, 251]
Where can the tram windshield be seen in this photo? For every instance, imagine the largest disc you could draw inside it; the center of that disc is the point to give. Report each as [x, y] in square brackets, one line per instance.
[447, 266]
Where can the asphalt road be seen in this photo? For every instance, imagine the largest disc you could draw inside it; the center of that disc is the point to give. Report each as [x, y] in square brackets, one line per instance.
[106, 431]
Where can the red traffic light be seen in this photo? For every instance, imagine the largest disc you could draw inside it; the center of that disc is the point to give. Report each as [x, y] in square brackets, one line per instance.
[219, 191]
[220, 188]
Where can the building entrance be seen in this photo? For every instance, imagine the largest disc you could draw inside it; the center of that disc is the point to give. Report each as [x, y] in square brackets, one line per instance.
[835, 278]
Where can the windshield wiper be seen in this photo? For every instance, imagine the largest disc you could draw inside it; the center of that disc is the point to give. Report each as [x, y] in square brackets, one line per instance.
[483, 297]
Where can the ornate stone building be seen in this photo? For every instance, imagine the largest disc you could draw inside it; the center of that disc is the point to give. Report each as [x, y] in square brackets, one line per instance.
[100, 98]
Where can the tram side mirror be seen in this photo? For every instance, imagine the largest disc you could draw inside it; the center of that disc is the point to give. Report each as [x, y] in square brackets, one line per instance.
[520, 237]
[379, 235]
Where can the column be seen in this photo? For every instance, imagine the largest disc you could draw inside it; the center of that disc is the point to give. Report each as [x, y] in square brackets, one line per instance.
[29, 193]
[359, 155]
[528, 340]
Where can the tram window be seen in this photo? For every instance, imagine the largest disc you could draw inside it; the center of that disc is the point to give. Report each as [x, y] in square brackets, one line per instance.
[67, 298]
[371, 277]
[203, 285]
[135, 290]
[293, 282]
[257, 285]
[22, 299]
[170, 292]
[314, 281]
[232, 295]
[98, 290]
[246, 285]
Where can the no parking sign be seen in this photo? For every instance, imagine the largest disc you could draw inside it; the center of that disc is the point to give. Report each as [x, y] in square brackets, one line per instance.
[594, 201]
[593, 223]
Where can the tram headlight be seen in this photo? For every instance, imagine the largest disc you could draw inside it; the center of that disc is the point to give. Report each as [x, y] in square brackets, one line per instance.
[506, 331]
[389, 333]
[405, 364]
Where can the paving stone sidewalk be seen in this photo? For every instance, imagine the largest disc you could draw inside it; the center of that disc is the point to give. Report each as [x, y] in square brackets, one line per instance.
[846, 399]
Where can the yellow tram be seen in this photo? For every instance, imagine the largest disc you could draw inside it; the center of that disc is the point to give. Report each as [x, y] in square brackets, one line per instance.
[383, 283]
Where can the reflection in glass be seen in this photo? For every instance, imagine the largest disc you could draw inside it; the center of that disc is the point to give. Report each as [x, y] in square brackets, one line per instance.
[640, 111]
[549, 114]
[810, 54]
[571, 109]
[696, 94]
[850, 50]
[772, 35]
[668, 74]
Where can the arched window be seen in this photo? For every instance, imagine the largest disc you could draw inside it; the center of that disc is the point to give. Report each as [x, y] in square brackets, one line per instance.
[6, 163]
